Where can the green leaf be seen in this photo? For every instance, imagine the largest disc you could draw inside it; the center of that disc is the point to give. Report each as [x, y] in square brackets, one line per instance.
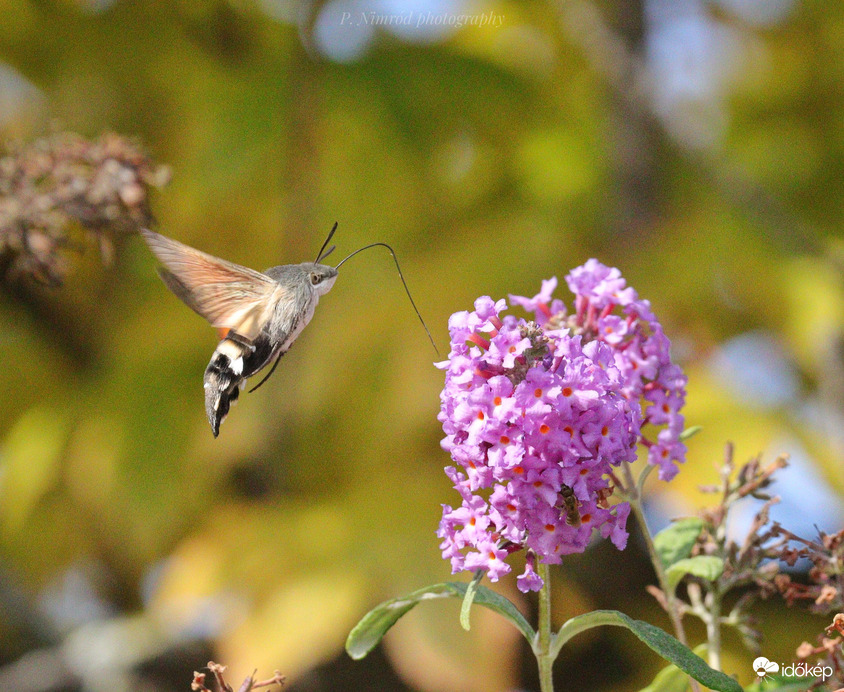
[661, 642]
[690, 432]
[375, 624]
[675, 542]
[671, 678]
[640, 484]
[706, 567]
[469, 598]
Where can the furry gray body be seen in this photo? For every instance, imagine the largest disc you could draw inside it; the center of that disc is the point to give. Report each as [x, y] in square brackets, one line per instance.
[236, 359]
[259, 315]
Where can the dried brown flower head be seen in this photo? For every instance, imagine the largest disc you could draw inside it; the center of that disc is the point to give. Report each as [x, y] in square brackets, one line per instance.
[58, 182]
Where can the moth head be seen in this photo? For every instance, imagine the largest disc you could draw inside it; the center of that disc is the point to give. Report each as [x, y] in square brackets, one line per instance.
[321, 277]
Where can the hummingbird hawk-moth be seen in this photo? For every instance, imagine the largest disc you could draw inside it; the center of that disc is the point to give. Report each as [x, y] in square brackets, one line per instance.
[258, 314]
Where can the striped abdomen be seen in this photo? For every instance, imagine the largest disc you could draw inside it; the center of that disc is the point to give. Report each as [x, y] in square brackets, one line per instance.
[234, 361]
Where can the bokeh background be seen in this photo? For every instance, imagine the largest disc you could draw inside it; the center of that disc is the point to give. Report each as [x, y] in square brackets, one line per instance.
[695, 144]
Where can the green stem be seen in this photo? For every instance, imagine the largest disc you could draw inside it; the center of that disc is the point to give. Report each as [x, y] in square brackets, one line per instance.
[713, 628]
[670, 598]
[633, 494]
[542, 644]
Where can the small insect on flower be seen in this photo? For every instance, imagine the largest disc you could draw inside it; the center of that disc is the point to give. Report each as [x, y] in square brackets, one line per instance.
[570, 503]
[258, 314]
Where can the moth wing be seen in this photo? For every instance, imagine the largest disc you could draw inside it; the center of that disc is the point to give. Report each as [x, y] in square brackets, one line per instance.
[229, 296]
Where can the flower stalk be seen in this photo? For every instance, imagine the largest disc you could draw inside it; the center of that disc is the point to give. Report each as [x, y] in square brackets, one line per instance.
[632, 493]
[542, 648]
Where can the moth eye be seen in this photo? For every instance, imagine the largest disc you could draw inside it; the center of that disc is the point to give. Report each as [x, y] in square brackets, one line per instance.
[314, 278]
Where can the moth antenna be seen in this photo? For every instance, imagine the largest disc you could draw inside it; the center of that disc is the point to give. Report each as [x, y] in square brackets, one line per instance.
[323, 253]
[404, 283]
[269, 374]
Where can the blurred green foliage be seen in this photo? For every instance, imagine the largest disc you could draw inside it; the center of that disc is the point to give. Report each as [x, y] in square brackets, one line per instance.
[489, 158]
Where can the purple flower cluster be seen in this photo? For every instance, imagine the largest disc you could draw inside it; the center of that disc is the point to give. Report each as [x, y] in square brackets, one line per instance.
[536, 414]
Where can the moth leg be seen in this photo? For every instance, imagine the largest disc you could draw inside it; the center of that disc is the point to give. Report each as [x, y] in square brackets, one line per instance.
[269, 374]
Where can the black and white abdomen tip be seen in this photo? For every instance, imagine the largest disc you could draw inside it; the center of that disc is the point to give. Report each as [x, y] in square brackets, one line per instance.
[223, 380]
[232, 363]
